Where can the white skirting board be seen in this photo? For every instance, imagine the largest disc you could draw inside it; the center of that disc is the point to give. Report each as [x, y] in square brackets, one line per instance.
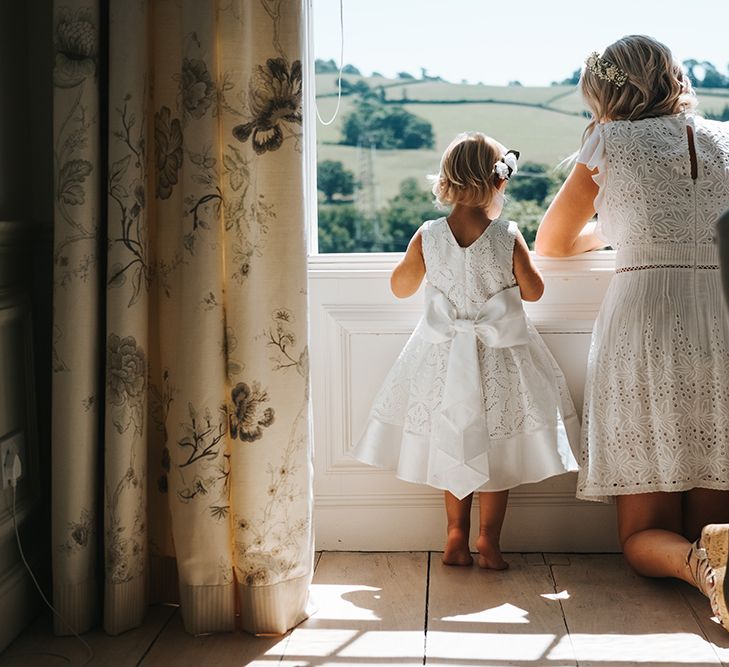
[560, 527]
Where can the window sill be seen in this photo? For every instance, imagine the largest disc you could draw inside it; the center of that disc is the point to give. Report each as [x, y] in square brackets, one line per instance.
[381, 264]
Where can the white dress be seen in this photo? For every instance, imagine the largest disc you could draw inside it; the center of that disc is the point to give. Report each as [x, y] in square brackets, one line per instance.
[475, 401]
[656, 414]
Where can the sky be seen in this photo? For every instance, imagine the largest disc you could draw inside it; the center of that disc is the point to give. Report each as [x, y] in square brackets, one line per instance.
[524, 40]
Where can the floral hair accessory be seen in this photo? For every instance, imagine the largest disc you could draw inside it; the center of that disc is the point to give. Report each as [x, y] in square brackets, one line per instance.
[506, 167]
[604, 69]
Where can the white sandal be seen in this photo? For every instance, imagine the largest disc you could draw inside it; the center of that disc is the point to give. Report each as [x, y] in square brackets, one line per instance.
[707, 561]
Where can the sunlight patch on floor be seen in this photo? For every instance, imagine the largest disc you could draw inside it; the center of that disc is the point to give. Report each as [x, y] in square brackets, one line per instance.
[494, 646]
[562, 595]
[653, 649]
[346, 602]
[505, 613]
[383, 644]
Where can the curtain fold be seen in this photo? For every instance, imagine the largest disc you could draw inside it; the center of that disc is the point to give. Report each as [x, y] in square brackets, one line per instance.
[184, 256]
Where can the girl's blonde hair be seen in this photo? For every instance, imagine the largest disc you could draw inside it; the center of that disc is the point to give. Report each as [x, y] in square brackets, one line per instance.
[656, 84]
[466, 173]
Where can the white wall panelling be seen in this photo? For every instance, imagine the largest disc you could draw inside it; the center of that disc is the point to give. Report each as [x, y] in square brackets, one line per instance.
[357, 330]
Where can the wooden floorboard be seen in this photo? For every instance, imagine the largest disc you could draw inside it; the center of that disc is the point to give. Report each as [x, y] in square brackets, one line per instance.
[38, 647]
[717, 636]
[547, 609]
[484, 617]
[617, 618]
[177, 648]
[371, 611]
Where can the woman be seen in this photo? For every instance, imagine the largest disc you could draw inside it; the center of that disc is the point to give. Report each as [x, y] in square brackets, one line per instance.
[656, 415]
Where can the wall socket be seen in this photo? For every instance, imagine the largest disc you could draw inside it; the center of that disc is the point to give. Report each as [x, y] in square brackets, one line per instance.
[15, 444]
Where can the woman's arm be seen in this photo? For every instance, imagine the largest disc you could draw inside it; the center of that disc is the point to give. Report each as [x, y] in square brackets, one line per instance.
[531, 284]
[408, 274]
[564, 230]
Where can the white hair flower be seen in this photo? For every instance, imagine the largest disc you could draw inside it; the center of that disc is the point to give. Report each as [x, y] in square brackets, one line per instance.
[510, 161]
[501, 169]
[506, 167]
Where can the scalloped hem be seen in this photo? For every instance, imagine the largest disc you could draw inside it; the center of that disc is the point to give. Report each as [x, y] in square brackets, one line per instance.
[524, 458]
[608, 494]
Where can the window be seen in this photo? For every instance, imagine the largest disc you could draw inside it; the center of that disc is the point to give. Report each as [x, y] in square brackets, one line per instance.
[418, 72]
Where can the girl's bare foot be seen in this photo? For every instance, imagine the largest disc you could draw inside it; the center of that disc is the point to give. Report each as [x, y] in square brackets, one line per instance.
[489, 556]
[456, 549]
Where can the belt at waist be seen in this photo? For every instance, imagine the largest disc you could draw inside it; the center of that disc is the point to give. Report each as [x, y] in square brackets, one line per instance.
[669, 255]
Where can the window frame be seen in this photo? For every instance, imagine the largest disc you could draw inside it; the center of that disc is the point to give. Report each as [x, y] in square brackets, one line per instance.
[598, 260]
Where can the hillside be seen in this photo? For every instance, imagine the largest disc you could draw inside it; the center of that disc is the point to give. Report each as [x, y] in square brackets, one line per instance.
[544, 123]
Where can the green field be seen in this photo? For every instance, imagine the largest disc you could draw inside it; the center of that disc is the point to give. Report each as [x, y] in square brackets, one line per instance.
[544, 123]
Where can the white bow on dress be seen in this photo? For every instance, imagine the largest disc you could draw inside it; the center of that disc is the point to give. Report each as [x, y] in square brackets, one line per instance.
[460, 457]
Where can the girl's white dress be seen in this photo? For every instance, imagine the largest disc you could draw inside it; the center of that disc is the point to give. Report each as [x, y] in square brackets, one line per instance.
[475, 401]
[656, 415]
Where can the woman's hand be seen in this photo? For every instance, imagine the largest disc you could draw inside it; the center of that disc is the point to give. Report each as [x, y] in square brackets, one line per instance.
[564, 230]
[408, 274]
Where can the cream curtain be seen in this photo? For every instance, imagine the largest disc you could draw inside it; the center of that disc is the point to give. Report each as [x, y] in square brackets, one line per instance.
[181, 450]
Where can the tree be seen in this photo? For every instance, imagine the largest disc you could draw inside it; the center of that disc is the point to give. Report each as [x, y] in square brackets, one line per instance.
[385, 126]
[405, 75]
[351, 69]
[338, 229]
[711, 78]
[405, 213]
[570, 80]
[324, 66]
[722, 115]
[527, 214]
[533, 182]
[332, 178]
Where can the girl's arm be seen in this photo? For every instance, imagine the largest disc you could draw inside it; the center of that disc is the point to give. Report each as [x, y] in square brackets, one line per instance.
[408, 274]
[531, 284]
[564, 230]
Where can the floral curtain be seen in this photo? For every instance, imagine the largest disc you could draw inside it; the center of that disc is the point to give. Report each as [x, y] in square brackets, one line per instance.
[181, 451]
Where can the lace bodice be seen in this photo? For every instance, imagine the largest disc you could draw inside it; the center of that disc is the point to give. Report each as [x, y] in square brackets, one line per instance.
[469, 276]
[649, 207]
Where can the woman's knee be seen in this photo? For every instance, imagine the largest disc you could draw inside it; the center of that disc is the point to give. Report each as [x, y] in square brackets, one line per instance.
[647, 511]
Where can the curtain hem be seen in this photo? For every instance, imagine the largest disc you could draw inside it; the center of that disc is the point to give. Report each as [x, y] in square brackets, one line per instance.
[125, 605]
[76, 605]
[273, 610]
[208, 609]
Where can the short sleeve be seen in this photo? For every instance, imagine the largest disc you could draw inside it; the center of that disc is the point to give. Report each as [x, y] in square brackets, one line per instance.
[592, 155]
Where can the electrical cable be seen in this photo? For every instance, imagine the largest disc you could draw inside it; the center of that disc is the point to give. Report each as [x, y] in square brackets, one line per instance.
[13, 484]
[341, 67]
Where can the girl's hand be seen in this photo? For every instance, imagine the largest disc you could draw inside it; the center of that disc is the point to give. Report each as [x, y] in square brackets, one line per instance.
[564, 231]
[531, 284]
[410, 271]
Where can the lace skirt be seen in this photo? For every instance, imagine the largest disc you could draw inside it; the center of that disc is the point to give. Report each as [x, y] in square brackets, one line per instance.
[656, 413]
[530, 415]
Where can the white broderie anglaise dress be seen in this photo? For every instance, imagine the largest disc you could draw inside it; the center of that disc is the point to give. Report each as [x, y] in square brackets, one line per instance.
[475, 401]
[656, 415]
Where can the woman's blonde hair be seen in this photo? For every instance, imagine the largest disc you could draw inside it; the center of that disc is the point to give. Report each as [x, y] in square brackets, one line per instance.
[466, 173]
[656, 84]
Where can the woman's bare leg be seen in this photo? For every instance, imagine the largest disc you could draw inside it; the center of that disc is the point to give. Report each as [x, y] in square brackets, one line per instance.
[649, 525]
[701, 507]
[492, 510]
[459, 527]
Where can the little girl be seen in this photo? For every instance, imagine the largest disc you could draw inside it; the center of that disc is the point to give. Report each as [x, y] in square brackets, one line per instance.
[475, 401]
